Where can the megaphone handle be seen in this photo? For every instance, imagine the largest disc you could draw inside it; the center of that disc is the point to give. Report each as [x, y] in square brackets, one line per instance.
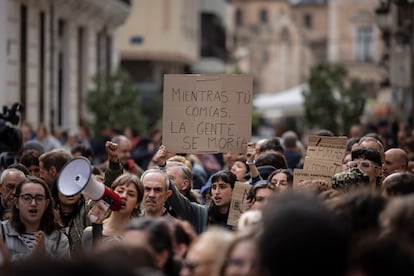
[98, 211]
[103, 204]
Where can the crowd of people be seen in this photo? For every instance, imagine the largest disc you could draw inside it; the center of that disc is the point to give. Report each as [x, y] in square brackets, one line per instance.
[174, 214]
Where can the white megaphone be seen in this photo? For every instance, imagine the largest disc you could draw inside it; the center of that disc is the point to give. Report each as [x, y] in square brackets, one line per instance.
[76, 176]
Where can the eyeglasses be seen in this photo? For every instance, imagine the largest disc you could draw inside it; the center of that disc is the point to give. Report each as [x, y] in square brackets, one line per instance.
[27, 198]
[363, 164]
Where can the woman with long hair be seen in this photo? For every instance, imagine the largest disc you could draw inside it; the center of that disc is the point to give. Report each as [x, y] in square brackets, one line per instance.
[33, 228]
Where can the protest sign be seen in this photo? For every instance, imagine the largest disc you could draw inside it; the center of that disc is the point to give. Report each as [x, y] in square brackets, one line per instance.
[207, 113]
[321, 166]
[323, 159]
[239, 203]
[301, 175]
[326, 148]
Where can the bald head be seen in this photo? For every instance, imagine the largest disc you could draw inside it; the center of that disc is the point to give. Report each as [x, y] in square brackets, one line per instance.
[396, 160]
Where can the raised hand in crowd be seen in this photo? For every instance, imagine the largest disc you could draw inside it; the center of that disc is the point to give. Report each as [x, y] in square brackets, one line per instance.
[161, 156]
[112, 151]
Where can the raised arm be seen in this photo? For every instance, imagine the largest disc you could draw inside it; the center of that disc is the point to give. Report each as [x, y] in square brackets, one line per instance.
[194, 213]
[250, 161]
[115, 168]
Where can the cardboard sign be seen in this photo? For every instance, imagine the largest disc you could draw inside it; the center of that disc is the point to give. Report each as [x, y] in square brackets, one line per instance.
[300, 175]
[239, 203]
[326, 148]
[207, 113]
[323, 159]
[321, 166]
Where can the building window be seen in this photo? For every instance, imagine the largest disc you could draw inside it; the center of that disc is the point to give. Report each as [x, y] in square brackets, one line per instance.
[239, 17]
[263, 16]
[365, 44]
[307, 21]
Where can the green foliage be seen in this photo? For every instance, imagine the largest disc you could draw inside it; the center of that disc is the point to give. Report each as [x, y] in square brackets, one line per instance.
[116, 102]
[333, 101]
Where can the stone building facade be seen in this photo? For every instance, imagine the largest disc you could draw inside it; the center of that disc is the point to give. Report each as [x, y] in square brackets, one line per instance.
[279, 40]
[53, 48]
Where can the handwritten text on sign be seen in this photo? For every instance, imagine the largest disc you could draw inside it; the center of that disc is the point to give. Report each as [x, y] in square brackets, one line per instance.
[207, 113]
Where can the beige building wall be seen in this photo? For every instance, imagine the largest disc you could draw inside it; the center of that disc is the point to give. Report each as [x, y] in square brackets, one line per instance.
[345, 16]
[41, 104]
[346, 20]
[319, 14]
[162, 30]
[274, 52]
[315, 35]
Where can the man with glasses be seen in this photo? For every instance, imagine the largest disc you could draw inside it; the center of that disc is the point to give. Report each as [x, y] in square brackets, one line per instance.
[9, 180]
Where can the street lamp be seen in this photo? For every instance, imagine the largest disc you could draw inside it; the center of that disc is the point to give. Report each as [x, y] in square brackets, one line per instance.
[382, 16]
[397, 33]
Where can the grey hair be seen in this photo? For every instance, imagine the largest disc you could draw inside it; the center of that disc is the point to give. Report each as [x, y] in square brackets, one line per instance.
[11, 170]
[186, 172]
[155, 170]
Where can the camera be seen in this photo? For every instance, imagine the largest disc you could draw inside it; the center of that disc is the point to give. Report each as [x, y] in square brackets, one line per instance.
[10, 134]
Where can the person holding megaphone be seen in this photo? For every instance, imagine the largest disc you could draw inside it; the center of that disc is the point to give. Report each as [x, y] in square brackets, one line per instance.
[108, 224]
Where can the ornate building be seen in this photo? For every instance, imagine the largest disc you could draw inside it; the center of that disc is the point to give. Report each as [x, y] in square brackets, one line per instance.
[265, 40]
[278, 41]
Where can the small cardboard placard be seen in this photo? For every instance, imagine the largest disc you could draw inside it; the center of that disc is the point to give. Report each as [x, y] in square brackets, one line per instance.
[326, 148]
[325, 167]
[239, 203]
[323, 159]
[207, 113]
[300, 175]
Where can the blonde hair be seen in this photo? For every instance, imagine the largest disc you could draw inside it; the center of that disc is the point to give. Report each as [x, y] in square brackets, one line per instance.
[214, 243]
[180, 159]
[250, 221]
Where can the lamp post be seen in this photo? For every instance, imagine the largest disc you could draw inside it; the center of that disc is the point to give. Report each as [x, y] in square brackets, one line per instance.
[382, 16]
[398, 40]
